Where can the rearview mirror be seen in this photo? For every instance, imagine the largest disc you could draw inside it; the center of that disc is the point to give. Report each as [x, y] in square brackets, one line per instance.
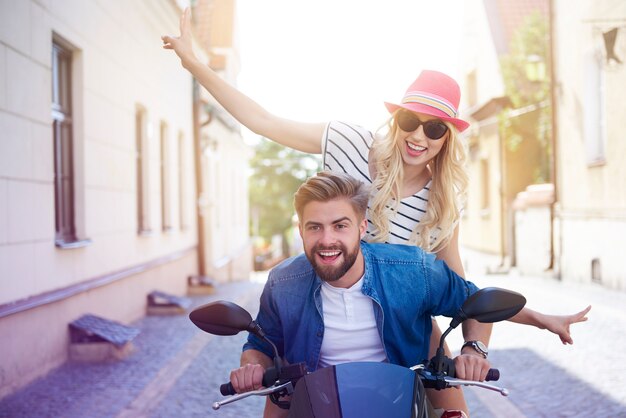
[226, 318]
[490, 304]
[222, 318]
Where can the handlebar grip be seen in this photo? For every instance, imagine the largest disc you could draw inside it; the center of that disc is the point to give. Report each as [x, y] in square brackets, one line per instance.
[493, 375]
[269, 378]
[227, 389]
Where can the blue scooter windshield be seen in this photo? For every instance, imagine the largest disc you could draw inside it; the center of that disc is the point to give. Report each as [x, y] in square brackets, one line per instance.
[359, 389]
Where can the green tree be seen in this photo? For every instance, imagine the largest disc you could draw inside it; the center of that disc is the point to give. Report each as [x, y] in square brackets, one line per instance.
[277, 172]
[525, 71]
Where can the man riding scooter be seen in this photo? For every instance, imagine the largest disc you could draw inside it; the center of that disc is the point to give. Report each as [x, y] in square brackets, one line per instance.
[345, 300]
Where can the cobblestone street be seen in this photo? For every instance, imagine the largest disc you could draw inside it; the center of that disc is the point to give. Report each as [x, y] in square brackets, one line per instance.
[176, 370]
[544, 377]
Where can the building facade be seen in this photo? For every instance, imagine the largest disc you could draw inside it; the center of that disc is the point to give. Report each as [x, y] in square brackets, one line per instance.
[223, 157]
[102, 168]
[497, 170]
[574, 226]
[590, 78]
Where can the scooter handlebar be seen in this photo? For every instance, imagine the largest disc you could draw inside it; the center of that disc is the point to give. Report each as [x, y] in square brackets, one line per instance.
[269, 378]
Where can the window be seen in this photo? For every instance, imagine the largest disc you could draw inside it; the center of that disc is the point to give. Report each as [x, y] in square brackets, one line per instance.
[166, 185]
[471, 89]
[594, 112]
[65, 223]
[142, 173]
[484, 177]
[182, 183]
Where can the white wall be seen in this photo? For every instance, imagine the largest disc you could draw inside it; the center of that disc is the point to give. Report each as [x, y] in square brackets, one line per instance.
[119, 63]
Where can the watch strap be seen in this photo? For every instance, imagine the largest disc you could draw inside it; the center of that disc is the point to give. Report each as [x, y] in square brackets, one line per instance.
[477, 346]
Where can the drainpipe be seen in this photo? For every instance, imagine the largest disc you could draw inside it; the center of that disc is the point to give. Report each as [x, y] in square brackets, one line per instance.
[554, 263]
[503, 199]
[197, 148]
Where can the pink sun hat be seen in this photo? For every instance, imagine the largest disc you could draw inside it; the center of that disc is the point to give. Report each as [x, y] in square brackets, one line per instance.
[433, 93]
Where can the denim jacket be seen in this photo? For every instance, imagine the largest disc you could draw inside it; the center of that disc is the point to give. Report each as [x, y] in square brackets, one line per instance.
[406, 285]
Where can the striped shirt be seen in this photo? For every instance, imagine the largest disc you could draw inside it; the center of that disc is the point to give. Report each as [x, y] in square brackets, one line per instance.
[345, 149]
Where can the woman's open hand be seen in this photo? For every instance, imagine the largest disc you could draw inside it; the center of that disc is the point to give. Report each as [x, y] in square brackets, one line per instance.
[559, 324]
[182, 44]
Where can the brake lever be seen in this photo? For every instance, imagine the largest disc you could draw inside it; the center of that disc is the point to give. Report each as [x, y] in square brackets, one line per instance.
[261, 392]
[451, 381]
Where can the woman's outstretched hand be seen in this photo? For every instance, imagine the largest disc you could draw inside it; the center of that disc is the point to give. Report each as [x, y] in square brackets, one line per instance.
[559, 324]
[181, 44]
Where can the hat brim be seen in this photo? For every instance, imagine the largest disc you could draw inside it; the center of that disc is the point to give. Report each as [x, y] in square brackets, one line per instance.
[460, 124]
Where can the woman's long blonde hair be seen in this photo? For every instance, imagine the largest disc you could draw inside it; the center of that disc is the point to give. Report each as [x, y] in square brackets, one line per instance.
[447, 194]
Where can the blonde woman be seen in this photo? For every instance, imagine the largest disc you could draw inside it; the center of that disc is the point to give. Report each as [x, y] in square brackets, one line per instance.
[417, 174]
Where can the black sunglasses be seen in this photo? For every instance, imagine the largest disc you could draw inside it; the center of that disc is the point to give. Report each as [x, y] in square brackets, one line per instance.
[434, 128]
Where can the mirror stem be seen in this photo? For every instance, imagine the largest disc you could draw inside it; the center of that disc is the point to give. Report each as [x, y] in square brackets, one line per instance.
[278, 364]
[460, 317]
[257, 330]
[440, 353]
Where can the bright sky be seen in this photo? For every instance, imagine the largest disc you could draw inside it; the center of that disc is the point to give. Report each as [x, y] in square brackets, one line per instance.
[340, 59]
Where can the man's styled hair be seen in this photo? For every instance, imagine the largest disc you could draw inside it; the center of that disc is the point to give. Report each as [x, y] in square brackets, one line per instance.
[326, 186]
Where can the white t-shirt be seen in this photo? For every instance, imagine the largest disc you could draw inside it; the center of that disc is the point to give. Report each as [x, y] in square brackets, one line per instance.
[350, 332]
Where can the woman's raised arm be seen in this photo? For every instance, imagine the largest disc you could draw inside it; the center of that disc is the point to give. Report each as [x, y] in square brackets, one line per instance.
[301, 136]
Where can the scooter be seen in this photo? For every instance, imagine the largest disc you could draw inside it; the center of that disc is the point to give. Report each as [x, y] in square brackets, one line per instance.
[358, 389]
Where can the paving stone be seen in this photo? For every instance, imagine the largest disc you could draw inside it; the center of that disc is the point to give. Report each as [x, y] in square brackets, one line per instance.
[545, 378]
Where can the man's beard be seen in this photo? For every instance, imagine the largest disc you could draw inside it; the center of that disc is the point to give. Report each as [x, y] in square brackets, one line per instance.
[332, 273]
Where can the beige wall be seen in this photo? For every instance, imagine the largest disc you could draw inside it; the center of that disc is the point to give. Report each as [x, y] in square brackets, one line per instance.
[481, 227]
[225, 205]
[118, 65]
[532, 229]
[225, 159]
[496, 171]
[479, 55]
[37, 340]
[591, 215]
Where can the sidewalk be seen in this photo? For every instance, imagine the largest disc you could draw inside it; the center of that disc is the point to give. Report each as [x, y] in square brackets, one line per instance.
[175, 370]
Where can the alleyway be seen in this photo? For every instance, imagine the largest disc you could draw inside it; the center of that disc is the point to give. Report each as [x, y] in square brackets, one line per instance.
[176, 370]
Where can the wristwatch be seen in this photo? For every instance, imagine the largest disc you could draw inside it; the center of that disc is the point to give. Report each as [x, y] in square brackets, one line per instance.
[478, 346]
